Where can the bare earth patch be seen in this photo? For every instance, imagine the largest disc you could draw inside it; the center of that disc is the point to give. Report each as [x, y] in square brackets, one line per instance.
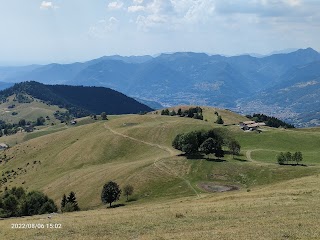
[216, 187]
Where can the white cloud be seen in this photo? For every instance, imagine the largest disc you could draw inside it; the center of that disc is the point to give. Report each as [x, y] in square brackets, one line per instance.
[145, 23]
[174, 13]
[293, 3]
[138, 1]
[136, 8]
[48, 5]
[103, 27]
[115, 5]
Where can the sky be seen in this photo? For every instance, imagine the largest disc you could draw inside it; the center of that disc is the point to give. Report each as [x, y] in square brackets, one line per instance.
[38, 32]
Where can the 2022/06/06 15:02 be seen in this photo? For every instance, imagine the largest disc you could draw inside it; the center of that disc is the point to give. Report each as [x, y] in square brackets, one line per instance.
[36, 225]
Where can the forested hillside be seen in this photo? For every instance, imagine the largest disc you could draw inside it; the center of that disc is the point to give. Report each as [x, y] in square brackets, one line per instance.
[79, 100]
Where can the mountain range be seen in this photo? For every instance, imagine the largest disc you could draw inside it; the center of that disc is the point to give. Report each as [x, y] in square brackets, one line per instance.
[285, 85]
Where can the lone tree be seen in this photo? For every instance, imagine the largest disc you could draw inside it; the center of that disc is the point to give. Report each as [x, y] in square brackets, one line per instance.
[219, 120]
[104, 116]
[234, 147]
[110, 193]
[128, 190]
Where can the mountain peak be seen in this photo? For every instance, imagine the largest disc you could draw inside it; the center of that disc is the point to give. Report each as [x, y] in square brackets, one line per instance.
[308, 50]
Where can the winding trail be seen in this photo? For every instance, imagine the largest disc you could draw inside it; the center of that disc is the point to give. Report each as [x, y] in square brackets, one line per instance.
[248, 155]
[171, 152]
[250, 159]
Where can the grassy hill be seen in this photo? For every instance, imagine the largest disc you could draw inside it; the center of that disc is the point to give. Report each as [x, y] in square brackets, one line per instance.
[28, 111]
[170, 200]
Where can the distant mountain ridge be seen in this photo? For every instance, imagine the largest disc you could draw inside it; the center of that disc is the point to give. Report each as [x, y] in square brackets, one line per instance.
[187, 78]
[79, 100]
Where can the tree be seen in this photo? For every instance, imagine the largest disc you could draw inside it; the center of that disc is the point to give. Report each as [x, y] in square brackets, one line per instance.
[110, 192]
[179, 112]
[11, 206]
[190, 143]
[297, 157]
[37, 203]
[281, 158]
[219, 120]
[48, 207]
[22, 122]
[219, 153]
[40, 121]
[173, 113]
[288, 157]
[208, 146]
[73, 200]
[128, 190]
[104, 116]
[63, 201]
[234, 147]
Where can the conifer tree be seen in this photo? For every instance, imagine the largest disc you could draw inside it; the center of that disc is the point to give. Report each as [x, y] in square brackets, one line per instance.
[63, 201]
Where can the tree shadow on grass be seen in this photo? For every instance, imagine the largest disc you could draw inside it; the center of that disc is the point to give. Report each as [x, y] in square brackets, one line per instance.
[116, 205]
[132, 200]
[240, 160]
[193, 156]
[215, 160]
[200, 156]
[294, 165]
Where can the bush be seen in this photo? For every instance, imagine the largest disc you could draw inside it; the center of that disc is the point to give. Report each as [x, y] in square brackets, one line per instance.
[15, 202]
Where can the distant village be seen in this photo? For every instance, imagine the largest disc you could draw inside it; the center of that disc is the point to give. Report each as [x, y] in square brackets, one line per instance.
[251, 126]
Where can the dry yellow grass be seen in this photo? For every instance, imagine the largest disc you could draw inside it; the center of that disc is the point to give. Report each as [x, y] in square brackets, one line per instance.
[287, 210]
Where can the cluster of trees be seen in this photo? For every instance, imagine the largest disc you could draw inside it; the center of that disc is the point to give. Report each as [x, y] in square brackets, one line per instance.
[286, 158]
[62, 116]
[269, 121]
[17, 202]
[111, 192]
[69, 204]
[13, 128]
[195, 113]
[8, 128]
[23, 98]
[206, 142]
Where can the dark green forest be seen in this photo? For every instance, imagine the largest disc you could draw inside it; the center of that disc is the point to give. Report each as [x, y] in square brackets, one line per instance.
[269, 121]
[79, 100]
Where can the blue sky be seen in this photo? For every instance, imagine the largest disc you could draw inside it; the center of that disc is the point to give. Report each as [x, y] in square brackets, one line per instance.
[76, 30]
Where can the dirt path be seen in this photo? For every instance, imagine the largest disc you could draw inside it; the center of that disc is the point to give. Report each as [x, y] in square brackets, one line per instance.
[156, 162]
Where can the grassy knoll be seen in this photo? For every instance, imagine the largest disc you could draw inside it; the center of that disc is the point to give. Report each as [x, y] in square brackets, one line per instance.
[28, 111]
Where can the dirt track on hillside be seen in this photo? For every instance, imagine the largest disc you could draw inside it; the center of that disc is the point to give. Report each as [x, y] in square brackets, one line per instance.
[171, 152]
